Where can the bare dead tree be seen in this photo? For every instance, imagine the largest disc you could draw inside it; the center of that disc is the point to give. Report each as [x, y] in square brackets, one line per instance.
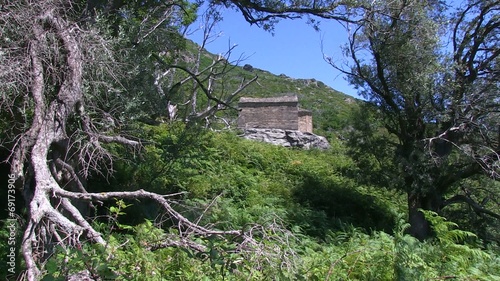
[51, 62]
[206, 80]
[197, 80]
[45, 152]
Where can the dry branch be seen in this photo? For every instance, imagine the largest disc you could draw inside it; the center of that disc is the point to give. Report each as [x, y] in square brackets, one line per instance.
[142, 194]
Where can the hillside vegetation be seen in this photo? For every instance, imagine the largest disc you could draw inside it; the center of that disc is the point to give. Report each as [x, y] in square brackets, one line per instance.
[317, 215]
[121, 159]
[319, 223]
[331, 109]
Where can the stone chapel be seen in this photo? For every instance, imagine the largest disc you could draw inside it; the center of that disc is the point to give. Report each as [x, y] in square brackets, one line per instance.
[274, 113]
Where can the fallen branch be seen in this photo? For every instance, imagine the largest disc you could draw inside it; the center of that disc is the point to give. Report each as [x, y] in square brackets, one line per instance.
[142, 194]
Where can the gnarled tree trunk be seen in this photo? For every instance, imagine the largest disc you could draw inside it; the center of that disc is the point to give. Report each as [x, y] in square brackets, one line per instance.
[47, 130]
[59, 142]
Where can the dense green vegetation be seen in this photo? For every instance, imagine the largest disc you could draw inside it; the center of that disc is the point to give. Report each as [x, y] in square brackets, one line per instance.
[321, 224]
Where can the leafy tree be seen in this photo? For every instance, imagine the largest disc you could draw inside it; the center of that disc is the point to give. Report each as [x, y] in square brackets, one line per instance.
[438, 99]
[267, 13]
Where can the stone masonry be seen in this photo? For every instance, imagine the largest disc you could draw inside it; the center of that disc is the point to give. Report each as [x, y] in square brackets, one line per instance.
[274, 113]
[279, 121]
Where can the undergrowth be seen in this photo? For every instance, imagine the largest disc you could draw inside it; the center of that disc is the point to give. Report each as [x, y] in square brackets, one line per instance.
[330, 227]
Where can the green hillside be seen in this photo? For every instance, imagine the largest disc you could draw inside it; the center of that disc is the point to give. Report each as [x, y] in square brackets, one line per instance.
[331, 109]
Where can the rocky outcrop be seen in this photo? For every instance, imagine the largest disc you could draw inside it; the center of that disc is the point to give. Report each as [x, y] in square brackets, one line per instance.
[248, 67]
[287, 138]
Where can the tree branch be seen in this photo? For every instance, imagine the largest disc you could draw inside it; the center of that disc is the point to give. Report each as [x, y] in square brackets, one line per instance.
[142, 194]
[259, 13]
[473, 204]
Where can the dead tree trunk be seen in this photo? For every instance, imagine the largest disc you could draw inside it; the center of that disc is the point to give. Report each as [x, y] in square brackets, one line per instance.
[59, 143]
[48, 129]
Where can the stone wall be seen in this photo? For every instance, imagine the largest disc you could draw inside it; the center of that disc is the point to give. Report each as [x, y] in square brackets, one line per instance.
[271, 113]
[278, 121]
[305, 121]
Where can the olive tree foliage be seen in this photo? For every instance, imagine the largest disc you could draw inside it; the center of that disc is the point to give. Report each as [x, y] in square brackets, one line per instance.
[146, 29]
[432, 74]
[63, 70]
[430, 70]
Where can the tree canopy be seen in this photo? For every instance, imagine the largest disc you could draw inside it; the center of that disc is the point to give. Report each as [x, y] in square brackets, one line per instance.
[433, 75]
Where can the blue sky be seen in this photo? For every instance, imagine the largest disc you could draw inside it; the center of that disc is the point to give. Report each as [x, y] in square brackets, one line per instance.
[293, 50]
